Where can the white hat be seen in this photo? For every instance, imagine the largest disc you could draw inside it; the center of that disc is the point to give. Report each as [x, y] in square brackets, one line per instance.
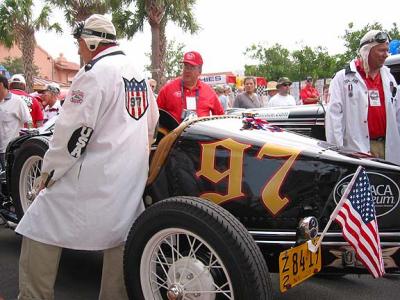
[96, 29]
[53, 88]
[17, 78]
[371, 39]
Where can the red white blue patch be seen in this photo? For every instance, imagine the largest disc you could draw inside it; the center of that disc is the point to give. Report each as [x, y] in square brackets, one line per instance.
[136, 101]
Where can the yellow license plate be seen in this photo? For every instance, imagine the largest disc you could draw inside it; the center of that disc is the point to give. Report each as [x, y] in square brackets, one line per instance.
[297, 264]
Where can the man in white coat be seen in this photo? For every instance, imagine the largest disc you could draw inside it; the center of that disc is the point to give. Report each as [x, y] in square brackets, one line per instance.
[363, 113]
[95, 170]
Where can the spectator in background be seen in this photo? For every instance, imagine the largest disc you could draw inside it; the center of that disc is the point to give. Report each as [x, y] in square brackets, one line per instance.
[219, 89]
[325, 94]
[309, 94]
[50, 101]
[282, 98]
[229, 95]
[249, 98]
[153, 86]
[17, 85]
[187, 94]
[271, 91]
[14, 113]
[363, 112]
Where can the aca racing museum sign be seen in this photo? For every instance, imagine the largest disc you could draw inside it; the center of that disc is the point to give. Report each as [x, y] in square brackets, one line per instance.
[385, 192]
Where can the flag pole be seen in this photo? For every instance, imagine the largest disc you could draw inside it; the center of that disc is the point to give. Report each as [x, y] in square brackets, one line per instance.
[313, 248]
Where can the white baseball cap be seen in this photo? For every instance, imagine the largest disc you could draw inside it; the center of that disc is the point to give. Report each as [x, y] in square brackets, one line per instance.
[17, 78]
[94, 30]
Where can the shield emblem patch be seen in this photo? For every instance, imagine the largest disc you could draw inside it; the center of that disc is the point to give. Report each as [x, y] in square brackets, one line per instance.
[136, 101]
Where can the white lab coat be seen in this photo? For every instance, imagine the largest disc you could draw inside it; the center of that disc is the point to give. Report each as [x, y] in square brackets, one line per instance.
[96, 196]
[347, 113]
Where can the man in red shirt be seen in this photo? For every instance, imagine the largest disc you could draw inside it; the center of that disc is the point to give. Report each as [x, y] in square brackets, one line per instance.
[187, 94]
[17, 86]
[309, 94]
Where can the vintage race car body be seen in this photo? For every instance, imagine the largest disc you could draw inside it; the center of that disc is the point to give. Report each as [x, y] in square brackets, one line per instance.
[269, 180]
[259, 182]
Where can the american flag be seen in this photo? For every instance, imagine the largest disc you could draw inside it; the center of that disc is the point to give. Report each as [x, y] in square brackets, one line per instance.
[136, 101]
[360, 228]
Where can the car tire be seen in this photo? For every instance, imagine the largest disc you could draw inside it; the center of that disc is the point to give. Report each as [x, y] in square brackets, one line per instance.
[25, 172]
[186, 244]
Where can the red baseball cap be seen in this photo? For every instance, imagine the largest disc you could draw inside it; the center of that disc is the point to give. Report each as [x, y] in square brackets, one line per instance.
[194, 58]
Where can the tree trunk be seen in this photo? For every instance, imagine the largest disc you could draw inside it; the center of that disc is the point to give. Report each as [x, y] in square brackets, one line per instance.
[27, 47]
[163, 49]
[155, 52]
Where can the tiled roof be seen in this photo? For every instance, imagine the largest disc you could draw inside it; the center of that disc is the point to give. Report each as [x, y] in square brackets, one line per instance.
[39, 83]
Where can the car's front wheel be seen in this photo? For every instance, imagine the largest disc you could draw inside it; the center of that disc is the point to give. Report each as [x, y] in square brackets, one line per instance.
[25, 173]
[189, 248]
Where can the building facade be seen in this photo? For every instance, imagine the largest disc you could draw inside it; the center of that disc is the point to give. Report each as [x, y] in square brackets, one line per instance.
[58, 70]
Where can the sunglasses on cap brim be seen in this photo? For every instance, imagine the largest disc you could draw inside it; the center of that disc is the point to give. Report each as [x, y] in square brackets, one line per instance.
[80, 29]
[381, 37]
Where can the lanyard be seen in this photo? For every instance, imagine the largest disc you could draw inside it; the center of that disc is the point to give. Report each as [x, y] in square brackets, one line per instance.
[183, 94]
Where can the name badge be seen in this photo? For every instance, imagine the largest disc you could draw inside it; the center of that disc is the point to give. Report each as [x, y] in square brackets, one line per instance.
[191, 103]
[374, 99]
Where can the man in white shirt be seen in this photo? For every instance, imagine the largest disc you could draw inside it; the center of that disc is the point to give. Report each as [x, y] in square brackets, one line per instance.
[283, 98]
[50, 101]
[14, 113]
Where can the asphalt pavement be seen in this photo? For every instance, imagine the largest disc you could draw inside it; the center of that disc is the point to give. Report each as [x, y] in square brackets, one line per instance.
[80, 272]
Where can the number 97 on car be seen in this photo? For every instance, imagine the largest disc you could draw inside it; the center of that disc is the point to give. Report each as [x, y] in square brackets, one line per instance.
[297, 265]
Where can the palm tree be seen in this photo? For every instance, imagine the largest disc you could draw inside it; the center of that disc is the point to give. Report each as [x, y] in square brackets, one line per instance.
[80, 10]
[157, 13]
[18, 27]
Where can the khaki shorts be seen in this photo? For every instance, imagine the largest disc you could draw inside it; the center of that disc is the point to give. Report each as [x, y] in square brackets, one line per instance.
[378, 148]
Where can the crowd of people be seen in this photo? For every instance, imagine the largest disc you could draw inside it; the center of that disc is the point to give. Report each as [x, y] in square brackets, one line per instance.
[19, 109]
[276, 93]
[109, 96]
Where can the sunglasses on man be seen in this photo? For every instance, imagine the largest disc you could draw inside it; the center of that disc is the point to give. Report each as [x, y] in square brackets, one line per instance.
[381, 37]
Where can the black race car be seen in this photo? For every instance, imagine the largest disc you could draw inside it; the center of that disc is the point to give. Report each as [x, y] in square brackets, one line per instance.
[227, 198]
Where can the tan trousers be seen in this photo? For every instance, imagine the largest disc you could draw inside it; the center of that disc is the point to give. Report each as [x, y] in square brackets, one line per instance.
[38, 267]
[377, 148]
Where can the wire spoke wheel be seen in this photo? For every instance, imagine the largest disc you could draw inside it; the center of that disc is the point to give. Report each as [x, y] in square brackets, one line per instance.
[181, 265]
[25, 173]
[186, 248]
[28, 181]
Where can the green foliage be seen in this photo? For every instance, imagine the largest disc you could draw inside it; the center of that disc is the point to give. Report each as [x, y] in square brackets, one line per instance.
[275, 56]
[173, 58]
[276, 61]
[129, 16]
[15, 65]
[79, 10]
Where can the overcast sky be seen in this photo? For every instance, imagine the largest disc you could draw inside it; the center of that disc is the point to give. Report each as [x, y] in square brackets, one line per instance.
[229, 27]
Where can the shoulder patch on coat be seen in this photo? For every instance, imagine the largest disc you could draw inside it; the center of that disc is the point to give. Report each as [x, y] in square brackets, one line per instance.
[136, 101]
[79, 140]
[77, 96]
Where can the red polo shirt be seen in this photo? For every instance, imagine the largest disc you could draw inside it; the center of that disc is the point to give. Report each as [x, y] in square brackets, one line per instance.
[376, 114]
[33, 105]
[170, 98]
[309, 92]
